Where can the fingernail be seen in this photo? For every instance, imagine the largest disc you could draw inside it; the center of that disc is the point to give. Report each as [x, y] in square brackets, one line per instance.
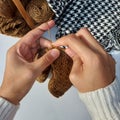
[70, 52]
[51, 21]
[55, 53]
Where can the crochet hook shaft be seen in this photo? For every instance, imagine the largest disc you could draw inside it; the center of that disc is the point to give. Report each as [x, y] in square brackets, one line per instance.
[24, 14]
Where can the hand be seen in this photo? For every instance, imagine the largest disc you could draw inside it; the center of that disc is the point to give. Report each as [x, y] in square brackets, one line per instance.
[21, 69]
[92, 67]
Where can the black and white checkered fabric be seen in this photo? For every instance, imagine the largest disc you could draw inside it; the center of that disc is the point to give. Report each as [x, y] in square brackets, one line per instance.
[101, 17]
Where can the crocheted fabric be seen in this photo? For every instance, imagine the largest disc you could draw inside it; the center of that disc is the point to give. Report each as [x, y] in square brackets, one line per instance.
[101, 17]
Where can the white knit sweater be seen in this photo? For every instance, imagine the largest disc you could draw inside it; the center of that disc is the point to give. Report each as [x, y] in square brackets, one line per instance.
[104, 104]
[7, 110]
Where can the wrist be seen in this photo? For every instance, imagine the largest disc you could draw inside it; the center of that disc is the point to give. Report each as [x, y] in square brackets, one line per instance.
[9, 96]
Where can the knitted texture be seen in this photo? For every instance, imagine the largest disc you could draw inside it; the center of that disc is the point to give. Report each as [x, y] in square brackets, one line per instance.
[101, 17]
[60, 69]
[13, 24]
[104, 103]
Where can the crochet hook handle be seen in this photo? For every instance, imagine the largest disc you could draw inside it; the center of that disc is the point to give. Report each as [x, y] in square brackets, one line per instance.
[24, 14]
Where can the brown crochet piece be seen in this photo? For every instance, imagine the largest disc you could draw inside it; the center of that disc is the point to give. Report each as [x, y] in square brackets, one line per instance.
[60, 70]
[13, 24]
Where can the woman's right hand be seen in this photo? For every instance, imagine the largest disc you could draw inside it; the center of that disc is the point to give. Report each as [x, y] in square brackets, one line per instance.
[93, 68]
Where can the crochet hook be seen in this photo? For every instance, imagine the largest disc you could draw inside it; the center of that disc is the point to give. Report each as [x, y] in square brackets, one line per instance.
[24, 14]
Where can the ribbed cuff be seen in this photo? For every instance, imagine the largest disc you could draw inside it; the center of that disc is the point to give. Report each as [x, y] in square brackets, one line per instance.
[104, 103]
[7, 109]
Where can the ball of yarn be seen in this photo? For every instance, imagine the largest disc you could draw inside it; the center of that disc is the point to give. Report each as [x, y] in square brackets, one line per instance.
[7, 8]
[13, 24]
[39, 11]
[13, 27]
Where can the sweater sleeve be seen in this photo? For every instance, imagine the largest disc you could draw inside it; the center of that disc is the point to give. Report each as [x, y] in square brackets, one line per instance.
[104, 103]
[7, 109]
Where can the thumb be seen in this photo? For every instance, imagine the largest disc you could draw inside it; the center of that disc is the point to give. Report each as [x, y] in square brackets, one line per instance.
[46, 60]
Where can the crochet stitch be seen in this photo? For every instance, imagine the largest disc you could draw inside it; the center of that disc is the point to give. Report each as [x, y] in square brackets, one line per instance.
[60, 69]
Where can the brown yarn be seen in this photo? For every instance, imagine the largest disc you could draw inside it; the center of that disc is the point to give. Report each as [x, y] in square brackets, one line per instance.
[60, 83]
[8, 6]
[14, 25]
[60, 70]
[39, 11]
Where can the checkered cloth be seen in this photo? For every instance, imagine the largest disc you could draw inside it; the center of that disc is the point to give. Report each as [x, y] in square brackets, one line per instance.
[101, 17]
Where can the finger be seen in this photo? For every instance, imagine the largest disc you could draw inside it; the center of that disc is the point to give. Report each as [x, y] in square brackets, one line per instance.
[85, 34]
[46, 60]
[45, 43]
[78, 45]
[36, 33]
[31, 39]
[70, 52]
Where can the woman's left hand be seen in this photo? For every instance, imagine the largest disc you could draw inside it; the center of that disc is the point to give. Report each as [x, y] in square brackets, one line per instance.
[21, 69]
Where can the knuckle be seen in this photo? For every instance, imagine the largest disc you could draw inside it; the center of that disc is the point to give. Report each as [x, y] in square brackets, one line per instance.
[47, 58]
[72, 77]
[84, 30]
[10, 51]
[70, 37]
[31, 71]
[31, 34]
[76, 58]
[75, 79]
[104, 53]
[97, 59]
[94, 59]
[30, 74]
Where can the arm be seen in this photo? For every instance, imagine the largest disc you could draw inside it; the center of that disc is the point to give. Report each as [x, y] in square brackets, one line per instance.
[93, 74]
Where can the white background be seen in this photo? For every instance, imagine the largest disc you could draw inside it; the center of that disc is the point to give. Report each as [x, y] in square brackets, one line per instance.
[39, 104]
